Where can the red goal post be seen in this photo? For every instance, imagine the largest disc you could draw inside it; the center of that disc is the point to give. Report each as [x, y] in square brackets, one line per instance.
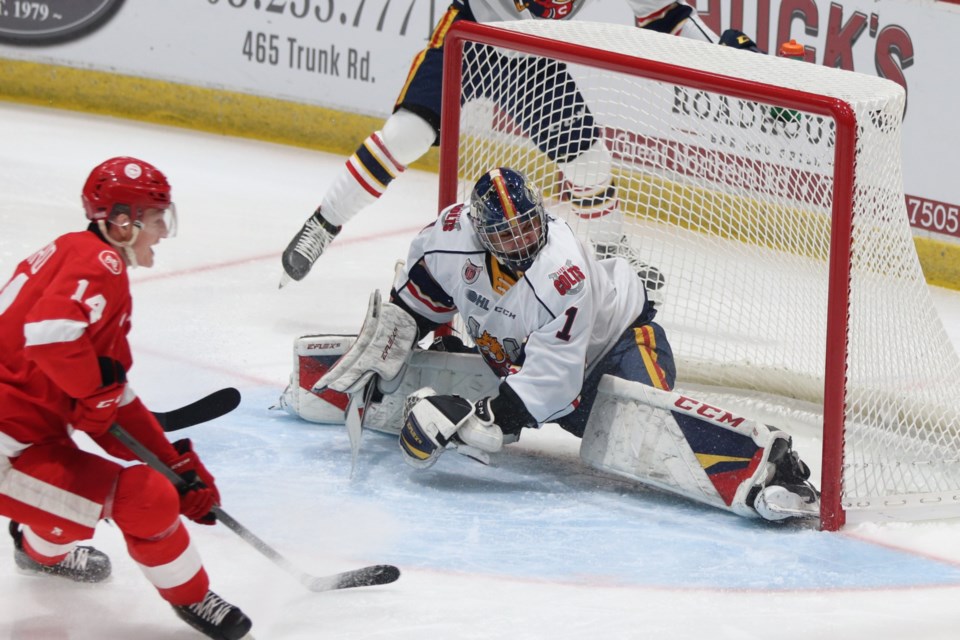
[784, 241]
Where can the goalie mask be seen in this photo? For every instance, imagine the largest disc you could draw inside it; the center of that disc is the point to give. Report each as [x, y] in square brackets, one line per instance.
[507, 213]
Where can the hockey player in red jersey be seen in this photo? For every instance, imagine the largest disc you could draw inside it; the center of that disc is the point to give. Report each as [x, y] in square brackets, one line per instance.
[64, 319]
[414, 127]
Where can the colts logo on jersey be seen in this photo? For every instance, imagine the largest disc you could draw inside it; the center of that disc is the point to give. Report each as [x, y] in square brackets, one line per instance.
[471, 272]
[451, 221]
[546, 9]
[569, 279]
[111, 261]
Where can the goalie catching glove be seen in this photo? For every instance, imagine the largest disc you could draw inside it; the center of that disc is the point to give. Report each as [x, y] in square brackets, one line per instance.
[435, 422]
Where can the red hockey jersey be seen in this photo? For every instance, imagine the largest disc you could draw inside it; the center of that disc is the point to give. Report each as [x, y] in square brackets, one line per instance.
[65, 305]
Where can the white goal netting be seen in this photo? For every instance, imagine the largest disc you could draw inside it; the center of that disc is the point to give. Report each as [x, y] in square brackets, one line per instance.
[745, 194]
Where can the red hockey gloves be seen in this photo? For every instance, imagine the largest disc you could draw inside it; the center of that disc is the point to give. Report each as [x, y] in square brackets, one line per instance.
[94, 414]
[200, 493]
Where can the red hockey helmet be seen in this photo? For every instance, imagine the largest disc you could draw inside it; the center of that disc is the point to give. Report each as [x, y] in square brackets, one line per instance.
[128, 183]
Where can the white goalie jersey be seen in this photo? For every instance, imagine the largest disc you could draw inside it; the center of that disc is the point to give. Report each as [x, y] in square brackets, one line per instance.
[542, 330]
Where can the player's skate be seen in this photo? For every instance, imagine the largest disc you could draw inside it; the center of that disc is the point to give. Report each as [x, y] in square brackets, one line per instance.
[777, 502]
[789, 494]
[651, 276]
[306, 247]
[215, 618]
[83, 564]
[590, 188]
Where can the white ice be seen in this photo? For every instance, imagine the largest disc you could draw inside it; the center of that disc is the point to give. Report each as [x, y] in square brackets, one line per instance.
[534, 546]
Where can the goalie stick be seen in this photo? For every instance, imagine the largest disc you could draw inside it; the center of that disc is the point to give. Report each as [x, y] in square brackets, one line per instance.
[219, 403]
[365, 577]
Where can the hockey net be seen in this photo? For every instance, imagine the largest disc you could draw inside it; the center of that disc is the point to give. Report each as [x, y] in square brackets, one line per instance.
[769, 194]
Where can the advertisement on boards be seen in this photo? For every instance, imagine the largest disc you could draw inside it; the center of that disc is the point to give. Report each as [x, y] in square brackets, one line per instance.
[353, 55]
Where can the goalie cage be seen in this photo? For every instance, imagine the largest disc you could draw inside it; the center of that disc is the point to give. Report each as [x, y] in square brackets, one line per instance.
[769, 194]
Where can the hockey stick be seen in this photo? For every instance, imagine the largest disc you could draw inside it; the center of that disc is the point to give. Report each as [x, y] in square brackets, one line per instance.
[365, 577]
[219, 403]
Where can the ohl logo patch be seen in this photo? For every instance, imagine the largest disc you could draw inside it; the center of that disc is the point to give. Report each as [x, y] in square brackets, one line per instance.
[479, 300]
[569, 279]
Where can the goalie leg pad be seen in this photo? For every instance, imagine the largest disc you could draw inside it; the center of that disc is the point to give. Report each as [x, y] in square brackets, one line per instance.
[684, 446]
[644, 443]
[312, 357]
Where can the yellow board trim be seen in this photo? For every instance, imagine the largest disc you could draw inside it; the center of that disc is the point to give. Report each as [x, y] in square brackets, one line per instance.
[217, 111]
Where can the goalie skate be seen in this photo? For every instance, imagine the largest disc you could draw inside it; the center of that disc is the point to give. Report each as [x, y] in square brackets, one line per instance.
[788, 493]
[777, 502]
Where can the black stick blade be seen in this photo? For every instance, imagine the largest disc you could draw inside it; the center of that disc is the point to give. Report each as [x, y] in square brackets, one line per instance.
[365, 577]
[217, 404]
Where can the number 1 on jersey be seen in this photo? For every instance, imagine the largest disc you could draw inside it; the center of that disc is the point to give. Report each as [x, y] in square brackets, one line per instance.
[564, 333]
